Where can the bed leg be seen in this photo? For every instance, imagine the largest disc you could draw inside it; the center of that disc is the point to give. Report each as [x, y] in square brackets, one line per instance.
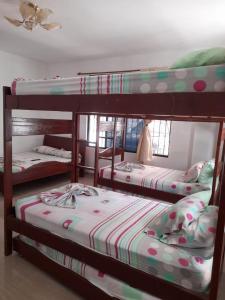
[8, 242]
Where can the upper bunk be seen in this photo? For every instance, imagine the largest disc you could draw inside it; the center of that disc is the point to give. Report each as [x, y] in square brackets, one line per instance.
[191, 92]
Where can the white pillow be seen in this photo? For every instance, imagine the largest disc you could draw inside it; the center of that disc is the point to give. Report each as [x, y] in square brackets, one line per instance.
[193, 173]
[53, 151]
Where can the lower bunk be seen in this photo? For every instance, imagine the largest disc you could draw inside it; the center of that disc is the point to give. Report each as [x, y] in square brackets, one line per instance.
[64, 275]
[161, 183]
[82, 278]
[109, 228]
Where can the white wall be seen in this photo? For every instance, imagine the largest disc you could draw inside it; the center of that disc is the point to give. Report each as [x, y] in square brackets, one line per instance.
[13, 66]
[204, 137]
[155, 59]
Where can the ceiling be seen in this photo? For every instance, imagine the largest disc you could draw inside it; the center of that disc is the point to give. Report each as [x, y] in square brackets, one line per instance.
[108, 28]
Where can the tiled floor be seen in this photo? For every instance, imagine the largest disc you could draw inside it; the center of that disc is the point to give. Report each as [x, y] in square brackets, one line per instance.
[19, 279]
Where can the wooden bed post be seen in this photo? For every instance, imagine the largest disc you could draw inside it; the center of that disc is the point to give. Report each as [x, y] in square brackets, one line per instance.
[96, 165]
[8, 184]
[222, 171]
[218, 256]
[217, 163]
[113, 147]
[75, 148]
[124, 137]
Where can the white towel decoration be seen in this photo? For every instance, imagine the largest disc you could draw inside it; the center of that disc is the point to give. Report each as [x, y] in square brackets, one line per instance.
[67, 199]
[128, 166]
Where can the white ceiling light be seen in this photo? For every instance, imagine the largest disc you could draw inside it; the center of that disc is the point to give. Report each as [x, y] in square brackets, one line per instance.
[32, 16]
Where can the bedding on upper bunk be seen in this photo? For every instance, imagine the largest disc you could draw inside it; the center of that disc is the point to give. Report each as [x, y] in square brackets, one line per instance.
[25, 160]
[162, 179]
[113, 224]
[197, 79]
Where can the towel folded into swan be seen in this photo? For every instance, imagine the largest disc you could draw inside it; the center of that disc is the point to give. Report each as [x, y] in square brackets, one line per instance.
[67, 199]
[128, 166]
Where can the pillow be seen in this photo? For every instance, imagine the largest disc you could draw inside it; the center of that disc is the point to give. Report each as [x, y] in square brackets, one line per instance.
[206, 57]
[199, 234]
[53, 151]
[206, 174]
[179, 216]
[192, 174]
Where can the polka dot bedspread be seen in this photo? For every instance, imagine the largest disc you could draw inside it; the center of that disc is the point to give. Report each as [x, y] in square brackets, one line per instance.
[198, 79]
[113, 224]
[156, 178]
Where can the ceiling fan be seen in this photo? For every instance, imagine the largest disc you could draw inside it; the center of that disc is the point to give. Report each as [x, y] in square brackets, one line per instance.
[32, 16]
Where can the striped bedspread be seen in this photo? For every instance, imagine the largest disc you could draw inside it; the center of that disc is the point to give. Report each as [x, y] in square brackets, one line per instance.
[156, 178]
[112, 224]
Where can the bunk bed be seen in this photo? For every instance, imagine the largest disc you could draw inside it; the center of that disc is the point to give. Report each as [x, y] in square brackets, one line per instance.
[29, 166]
[146, 180]
[208, 106]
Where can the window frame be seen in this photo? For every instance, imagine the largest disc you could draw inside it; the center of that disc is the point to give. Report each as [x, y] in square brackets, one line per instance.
[90, 144]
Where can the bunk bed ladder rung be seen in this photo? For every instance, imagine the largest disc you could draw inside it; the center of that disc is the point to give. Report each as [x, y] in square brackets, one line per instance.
[84, 167]
[105, 158]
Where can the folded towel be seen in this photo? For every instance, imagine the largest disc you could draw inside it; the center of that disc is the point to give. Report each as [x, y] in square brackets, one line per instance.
[67, 198]
[128, 166]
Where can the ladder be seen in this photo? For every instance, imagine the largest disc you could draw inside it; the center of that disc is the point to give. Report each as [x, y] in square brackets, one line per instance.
[111, 152]
[106, 154]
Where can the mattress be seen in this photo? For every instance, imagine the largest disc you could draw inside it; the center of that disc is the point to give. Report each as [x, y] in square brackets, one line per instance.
[198, 79]
[161, 179]
[112, 224]
[113, 287]
[25, 160]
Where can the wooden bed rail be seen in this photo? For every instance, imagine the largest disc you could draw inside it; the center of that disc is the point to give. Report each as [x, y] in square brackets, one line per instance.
[202, 106]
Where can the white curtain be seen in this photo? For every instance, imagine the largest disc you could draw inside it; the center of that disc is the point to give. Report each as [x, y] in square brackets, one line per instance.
[144, 149]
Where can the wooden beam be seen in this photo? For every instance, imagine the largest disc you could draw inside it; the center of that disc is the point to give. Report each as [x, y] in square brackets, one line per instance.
[7, 185]
[28, 126]
[208, 104]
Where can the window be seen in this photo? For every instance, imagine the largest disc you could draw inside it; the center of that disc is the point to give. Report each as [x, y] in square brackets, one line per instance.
[160, 133]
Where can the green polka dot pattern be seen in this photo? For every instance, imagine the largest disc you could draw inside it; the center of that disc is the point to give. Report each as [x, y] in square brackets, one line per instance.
[180, 86]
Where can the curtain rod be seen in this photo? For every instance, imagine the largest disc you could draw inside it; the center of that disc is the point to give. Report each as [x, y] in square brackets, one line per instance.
[122, 71]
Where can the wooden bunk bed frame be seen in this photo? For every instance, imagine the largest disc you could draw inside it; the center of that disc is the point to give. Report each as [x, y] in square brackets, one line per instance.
[176, 106]
[111, 153]
[51, 168]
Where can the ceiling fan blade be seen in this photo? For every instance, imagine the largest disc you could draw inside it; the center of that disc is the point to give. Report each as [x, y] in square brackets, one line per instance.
[27, 9]
[51, 26]
[42, 14]
[14, 21]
